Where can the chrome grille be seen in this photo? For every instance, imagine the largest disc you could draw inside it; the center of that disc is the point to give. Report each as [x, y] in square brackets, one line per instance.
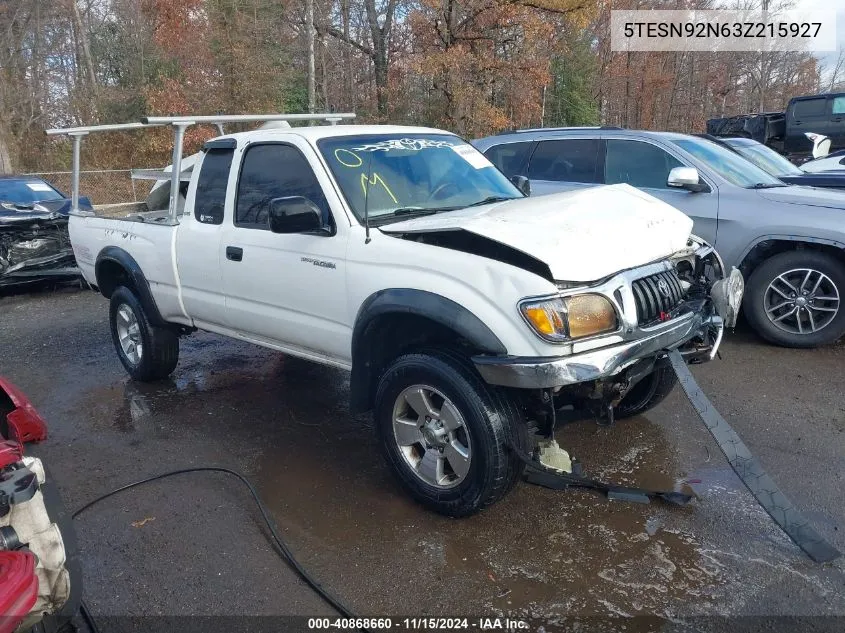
[656, 294]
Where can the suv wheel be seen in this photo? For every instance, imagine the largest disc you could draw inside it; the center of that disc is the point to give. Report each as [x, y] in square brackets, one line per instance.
[146, 351]
[444, 432]
[795, 298]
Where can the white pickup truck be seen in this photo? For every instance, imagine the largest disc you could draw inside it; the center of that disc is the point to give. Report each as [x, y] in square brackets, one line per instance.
[466, 312]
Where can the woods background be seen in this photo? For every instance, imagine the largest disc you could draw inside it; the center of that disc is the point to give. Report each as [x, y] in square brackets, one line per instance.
[470, 66]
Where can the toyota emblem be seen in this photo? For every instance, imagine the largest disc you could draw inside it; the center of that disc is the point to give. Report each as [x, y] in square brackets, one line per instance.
[663, 287]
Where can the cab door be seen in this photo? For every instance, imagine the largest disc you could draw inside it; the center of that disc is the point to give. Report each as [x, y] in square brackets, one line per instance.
[198, 236]
[287, 290]
[806, 115]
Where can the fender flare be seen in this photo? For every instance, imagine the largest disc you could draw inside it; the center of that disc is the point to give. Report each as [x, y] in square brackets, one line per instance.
[409, 301]
[140, 284]
[776, 237]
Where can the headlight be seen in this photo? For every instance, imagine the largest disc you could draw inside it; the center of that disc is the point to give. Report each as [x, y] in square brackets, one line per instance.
[589, 315]
[559, 319]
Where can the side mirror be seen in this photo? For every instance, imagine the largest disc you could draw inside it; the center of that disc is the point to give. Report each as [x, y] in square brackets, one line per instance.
[686, 178]
[85, 203]
[295, 214]
[523, 184]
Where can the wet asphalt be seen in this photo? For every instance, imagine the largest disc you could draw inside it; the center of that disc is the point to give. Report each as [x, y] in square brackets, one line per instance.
[193, 544]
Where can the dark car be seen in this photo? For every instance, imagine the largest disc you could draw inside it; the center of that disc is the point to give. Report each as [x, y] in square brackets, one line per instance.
[34, 241]
[769, 160]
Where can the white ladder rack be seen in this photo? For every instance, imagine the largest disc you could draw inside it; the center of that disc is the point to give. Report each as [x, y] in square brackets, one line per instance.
[179, 125]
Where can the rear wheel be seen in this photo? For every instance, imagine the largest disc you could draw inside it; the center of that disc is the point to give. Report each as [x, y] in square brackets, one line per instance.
[794, 299]
[146, 351]
[445, 433]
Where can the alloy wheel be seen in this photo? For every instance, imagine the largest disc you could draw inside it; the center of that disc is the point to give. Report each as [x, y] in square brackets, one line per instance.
[129, 333]
[432, 436]
[801, 301]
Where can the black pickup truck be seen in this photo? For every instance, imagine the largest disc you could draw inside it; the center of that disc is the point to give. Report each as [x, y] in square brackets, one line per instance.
[784, 132]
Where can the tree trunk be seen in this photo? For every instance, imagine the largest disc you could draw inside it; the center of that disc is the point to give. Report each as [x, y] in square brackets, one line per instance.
[309, 30]
[5, 157]
[84, 45]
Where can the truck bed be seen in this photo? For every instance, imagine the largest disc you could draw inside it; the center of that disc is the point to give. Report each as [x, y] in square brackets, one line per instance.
[147, 237]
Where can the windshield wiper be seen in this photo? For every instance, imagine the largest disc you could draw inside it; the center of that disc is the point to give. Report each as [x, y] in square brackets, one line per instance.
[768, 185]
[489, 200]
[414, 211]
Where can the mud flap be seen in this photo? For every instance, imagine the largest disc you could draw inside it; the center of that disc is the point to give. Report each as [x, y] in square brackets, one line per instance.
[773, 501]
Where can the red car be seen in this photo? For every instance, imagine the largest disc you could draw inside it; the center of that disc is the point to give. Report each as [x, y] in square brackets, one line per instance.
[39, 572]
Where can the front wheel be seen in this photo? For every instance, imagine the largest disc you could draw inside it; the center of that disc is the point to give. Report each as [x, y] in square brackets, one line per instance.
[794, 299]
[445, 433]
[647, 393]
[146, 351]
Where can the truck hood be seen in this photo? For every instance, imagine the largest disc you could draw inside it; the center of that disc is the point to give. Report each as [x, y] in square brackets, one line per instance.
[806, 196]
[582, 235]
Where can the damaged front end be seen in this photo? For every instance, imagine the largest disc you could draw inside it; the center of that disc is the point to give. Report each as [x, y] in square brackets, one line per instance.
[34, 244]
[681, 303]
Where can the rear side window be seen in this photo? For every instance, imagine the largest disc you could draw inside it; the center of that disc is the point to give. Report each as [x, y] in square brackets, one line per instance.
[638, 164]
[274, 171]
[211, 186]
[839, 105]
[809, 108]
[510, 158]
[571, 160]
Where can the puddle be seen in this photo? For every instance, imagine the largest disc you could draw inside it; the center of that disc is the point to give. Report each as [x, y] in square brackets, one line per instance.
[544, 555]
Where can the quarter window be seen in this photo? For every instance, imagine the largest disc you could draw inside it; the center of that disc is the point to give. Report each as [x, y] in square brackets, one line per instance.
[211, 186]
[638, 164]
[274, 171]
[570, 160]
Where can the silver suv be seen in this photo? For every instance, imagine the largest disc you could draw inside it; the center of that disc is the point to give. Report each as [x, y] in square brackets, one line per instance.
[788, 241]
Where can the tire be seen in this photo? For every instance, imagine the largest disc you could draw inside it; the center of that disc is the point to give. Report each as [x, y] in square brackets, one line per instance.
[489, 419]
[157, 348]
[771, 283]
[647, 393]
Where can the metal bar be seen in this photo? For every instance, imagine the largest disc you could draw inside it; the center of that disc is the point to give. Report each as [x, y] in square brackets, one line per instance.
[74, 182]
[178, 136]
[334, 117]
[115, 127]
[158, 174]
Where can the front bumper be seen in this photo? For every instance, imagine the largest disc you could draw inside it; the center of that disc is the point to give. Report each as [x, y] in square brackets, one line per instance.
[559, 371]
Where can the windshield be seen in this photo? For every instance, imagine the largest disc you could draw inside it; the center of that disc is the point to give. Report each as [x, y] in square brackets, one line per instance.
[730, 166]
[765, 158]
[27, 191]
[397, 175]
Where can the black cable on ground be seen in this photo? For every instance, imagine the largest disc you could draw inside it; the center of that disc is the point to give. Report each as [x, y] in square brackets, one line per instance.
[271, 526]
[89, 619]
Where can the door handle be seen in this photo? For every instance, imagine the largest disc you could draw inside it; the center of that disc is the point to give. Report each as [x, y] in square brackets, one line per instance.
[234, 253]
